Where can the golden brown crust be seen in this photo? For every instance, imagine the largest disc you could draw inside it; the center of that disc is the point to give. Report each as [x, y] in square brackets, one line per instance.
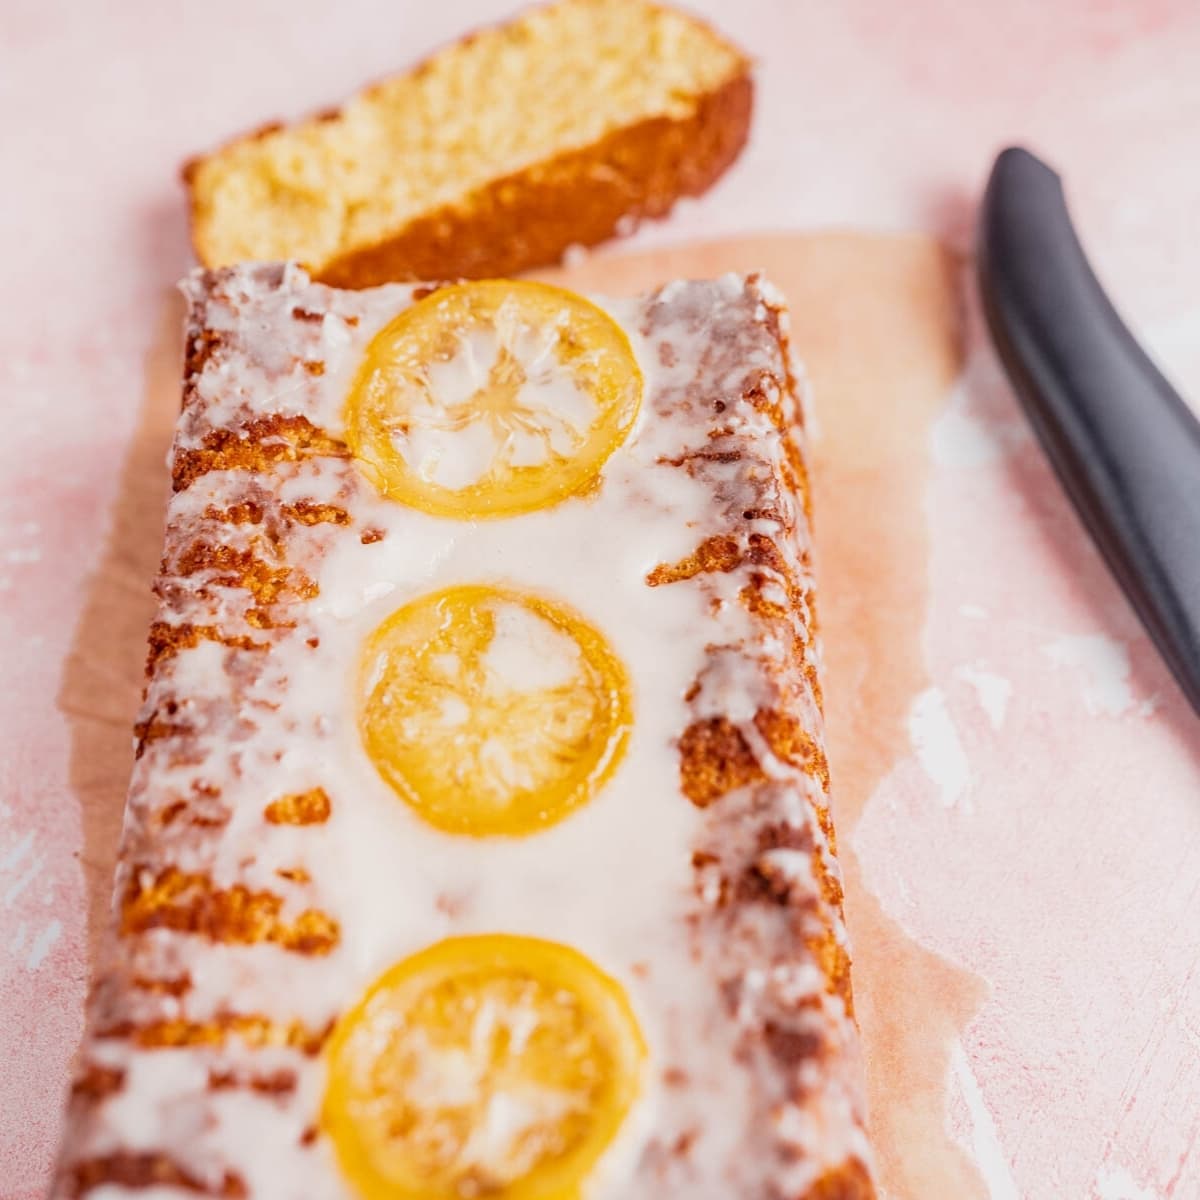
[190, 903]
[251, 1029]
[259, 444]
[580, 197]
[851, 1181]
[167, 640]
[137, 1171]
[94, 1081]
[715, 759]
[300, 808]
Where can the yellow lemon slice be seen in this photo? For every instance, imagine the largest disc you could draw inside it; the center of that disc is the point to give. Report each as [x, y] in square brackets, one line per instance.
[491, 711]
[493, 398]
[492, 1065]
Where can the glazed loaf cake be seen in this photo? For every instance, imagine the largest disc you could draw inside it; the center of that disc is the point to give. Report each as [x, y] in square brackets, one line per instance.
[478, 841]
[492, 157]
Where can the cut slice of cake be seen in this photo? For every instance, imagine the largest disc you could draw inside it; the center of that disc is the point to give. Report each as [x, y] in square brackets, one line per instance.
[492, 157]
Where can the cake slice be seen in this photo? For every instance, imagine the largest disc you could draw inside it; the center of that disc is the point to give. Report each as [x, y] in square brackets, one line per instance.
[478, 841]
[492, 157]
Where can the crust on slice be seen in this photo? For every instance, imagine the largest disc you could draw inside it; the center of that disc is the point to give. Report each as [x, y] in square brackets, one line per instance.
[560, 128]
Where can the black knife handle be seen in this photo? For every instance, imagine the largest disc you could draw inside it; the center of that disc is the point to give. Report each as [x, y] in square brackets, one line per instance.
[1124, 444]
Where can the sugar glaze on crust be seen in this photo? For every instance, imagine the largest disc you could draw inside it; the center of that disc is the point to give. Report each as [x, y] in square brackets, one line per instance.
[267, 875]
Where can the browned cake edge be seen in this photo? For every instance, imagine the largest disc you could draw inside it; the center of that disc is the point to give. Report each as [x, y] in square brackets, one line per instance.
[578, 198]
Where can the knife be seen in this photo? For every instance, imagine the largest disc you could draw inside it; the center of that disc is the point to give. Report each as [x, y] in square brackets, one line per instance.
[1124, 444]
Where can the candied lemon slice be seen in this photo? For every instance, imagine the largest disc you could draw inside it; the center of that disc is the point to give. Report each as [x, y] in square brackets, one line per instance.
[492, 711]
[491, 1065]
[492, 398]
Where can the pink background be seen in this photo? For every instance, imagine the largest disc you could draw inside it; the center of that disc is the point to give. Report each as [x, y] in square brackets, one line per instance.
[1041, 829]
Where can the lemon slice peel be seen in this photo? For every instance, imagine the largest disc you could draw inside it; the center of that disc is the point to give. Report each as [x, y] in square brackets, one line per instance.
[487, 1065]
[492, 398]
[490, 711]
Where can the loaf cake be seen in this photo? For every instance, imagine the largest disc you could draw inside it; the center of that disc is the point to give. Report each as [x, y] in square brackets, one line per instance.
[492, 157]
[478, 841]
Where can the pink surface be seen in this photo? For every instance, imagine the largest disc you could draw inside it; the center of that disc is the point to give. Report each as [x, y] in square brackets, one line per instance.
[1041, 829]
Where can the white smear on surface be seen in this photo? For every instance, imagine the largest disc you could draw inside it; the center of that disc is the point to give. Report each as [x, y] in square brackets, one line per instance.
[993, 691]
[19, 885]
[13, 859]
[958, 440]
[1116, 1183]
[935, 740]
[989, 1154]
[962, 438]
[1174, 340]
[16, 853]
[1104, 662]
[42, 944]
[974, 611]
